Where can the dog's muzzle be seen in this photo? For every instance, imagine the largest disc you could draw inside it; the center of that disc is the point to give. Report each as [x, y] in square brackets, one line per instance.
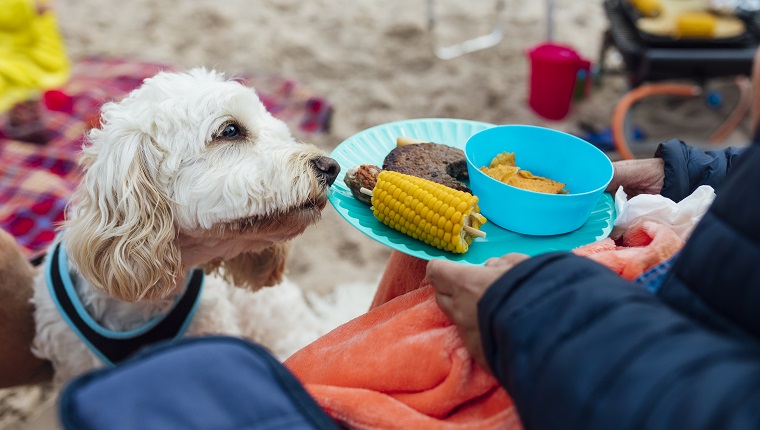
[326, 168]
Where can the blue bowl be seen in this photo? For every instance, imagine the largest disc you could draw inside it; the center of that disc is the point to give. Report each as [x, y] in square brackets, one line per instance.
[544, 152]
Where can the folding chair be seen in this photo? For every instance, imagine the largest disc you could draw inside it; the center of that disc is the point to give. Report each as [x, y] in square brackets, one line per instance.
[470, 45]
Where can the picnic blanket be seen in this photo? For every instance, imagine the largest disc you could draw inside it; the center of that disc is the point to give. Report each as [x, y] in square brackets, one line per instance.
[402, 365]
[36, 180]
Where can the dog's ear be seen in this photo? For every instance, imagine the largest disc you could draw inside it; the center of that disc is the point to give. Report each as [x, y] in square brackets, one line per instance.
[121, 228]
[255, 270]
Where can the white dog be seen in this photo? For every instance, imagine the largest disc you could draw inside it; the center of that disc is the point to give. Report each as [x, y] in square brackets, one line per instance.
[188, 171]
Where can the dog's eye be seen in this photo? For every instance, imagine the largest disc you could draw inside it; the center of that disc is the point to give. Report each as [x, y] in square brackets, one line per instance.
[230, 131]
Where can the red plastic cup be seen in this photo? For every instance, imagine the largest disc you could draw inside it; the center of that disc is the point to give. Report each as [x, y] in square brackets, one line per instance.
[553, 70]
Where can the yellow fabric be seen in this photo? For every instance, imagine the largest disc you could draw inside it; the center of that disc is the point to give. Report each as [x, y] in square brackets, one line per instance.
[32, 53]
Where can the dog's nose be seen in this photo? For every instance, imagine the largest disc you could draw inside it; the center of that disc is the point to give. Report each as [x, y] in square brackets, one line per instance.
[327, 168]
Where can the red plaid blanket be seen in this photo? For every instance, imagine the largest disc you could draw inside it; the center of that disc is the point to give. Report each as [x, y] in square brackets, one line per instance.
[37, 180]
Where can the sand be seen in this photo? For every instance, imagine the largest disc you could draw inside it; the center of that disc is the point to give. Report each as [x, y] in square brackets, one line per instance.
[373, 60]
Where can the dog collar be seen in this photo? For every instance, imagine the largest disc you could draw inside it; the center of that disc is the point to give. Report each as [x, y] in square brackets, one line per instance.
[110, 346]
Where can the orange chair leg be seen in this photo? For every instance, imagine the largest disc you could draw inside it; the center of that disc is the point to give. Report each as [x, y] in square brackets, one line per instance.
[631, 98]
[736, 116]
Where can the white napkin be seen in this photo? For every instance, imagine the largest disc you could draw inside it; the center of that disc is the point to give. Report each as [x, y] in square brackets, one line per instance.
[682, 217]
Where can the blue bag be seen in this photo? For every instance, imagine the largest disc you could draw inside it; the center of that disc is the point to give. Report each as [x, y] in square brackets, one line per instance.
[195, 383]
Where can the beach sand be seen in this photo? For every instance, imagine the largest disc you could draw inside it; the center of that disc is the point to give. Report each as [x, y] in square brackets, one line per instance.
[373, 61]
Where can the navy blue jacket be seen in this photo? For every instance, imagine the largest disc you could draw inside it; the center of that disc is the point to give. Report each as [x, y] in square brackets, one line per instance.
[686, 167]
[203, 383]
[577, 347]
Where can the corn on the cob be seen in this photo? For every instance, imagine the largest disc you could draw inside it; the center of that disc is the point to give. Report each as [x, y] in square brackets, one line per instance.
[696, 24]
[433, 213]
[648, 8]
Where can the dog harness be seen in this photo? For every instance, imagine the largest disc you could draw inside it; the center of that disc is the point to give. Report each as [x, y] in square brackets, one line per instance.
[110, 346]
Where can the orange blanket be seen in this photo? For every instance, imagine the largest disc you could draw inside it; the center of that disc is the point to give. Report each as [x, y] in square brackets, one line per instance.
[641, 247]
[402, 365]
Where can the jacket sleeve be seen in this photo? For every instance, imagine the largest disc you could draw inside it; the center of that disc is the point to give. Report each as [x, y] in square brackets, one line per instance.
[578, 347]
[686, 167]
[716, 278]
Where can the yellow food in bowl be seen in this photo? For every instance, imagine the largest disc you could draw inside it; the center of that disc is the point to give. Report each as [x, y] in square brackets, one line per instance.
[503, 168]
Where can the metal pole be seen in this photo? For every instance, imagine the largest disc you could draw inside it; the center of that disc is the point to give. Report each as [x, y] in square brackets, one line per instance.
[549, 20]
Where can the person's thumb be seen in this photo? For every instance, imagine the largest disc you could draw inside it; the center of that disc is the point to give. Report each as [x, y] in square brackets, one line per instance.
[441, 274]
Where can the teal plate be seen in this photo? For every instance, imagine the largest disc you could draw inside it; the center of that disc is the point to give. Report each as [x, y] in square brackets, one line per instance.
[372, 145]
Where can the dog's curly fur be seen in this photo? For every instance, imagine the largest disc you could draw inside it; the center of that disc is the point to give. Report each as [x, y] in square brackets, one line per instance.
[189, 170]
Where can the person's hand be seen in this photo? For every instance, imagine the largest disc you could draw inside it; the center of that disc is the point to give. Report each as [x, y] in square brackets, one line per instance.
[458, 288]
[644, 176]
